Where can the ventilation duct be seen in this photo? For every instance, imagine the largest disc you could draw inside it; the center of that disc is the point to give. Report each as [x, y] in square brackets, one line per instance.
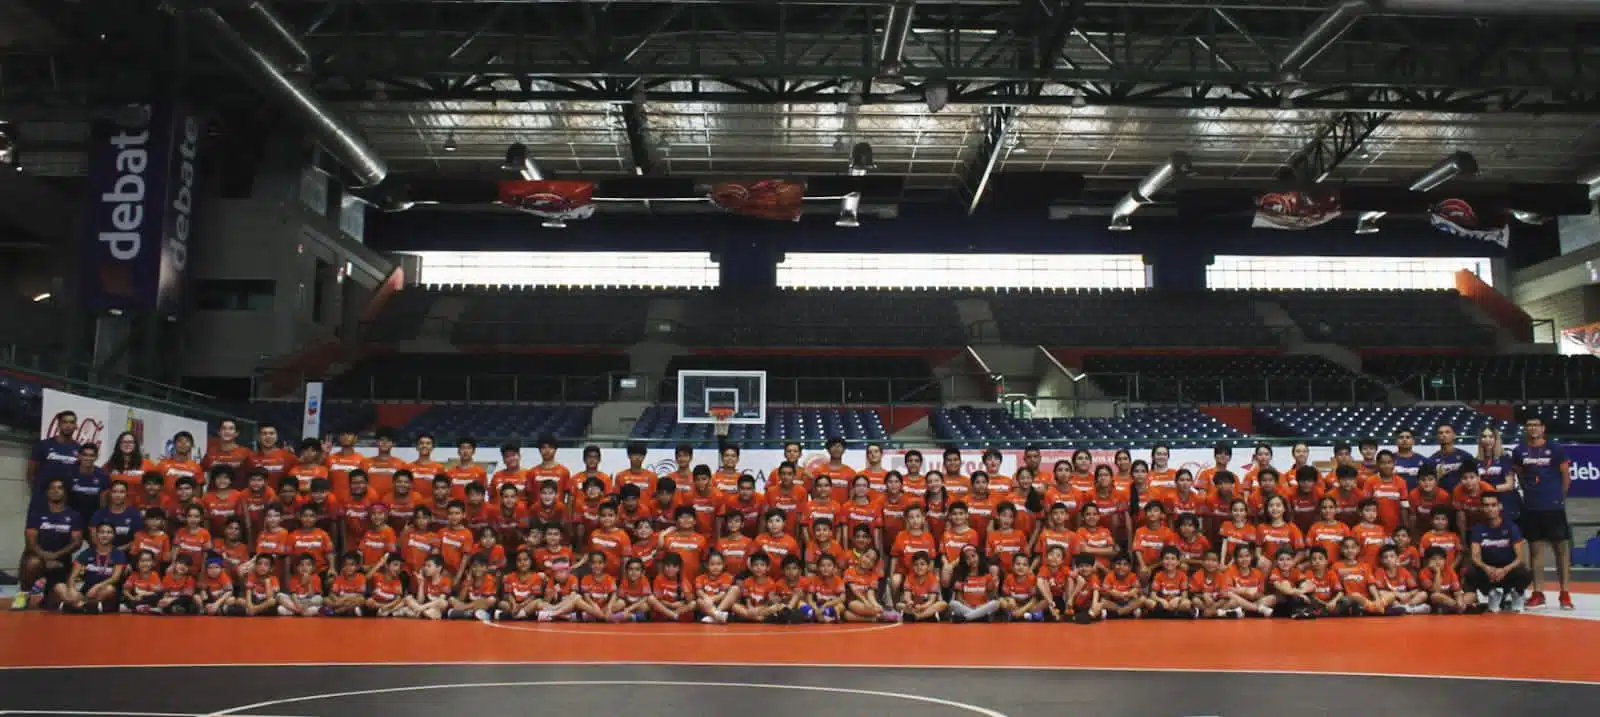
[895, 31]
[1455, 165]
[339, 139]
[1178, 165]
[1345, 13]
[291, 50]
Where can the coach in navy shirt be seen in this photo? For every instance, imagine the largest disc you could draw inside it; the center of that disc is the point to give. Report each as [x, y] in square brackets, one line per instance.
[1499, 558]
[1447, 461]
[53, 457]
[1546, 475]
[1407, 461]
[53, 532]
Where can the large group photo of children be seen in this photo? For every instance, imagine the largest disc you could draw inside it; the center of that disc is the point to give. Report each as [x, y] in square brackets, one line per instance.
[322, 530]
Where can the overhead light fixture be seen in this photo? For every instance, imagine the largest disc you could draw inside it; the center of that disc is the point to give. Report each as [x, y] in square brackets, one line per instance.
[519, 161]
[553, 223]
[1286, 100]
[1177, 165]
[1527, 217]
[1368, 222]
[937, 95]
[450, 142]
[1018, 146]
[8, 145]
[1455, 165]
[45, 296]
[861, 159]
[849, 211]
[1078, 100]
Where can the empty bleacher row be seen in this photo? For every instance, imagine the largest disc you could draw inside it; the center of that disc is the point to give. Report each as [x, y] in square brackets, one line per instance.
[1228, 379]
[823, 379]
[863, 317]
[1491, 378]
[484, 377]
[1181, 427]
[810, 426]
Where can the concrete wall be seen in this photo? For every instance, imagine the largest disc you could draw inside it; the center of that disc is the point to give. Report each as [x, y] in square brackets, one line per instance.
[13, 502]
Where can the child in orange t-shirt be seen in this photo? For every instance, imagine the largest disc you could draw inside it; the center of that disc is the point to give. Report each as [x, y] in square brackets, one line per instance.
[1169, 587]
[1369, 533]
[714, 591]
[142, 590]
[522, 590]
[1323, 587]
[304, 596]
[1396, 587]
[668, 599]
[261, 587]
[756, 603]
[215, 595]
[919, 593]
[1120, 591]
[861, 584]
[1021, 595]
[633, 590]
[177, 589]
[1247, 585]
[827, 590]
[348, 594]
[597, 591]
[1355, 579]
[388, 589]
[1208, 587]
[476, 595]
[1443, 585]
[431, 596]
[1083, 591]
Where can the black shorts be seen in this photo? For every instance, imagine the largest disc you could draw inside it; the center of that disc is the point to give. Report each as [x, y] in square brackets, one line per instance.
[1545, 526]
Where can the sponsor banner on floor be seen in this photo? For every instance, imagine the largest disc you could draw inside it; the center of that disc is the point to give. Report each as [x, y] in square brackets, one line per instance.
[99, 422]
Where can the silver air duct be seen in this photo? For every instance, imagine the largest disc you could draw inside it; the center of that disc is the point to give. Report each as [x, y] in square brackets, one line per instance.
[292, 51]
[1345, 13]
[518, 160]
[849, 211]
[895, 31]
[1178, 165]
[339, 139]
[1455, 165]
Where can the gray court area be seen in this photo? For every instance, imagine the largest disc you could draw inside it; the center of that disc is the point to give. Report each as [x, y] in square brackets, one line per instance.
[695, 691]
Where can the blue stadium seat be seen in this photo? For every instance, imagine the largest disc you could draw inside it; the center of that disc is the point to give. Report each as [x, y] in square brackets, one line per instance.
[498, 423]
[1376, 421]
[983, 427]
[286, 415]
[809, 426]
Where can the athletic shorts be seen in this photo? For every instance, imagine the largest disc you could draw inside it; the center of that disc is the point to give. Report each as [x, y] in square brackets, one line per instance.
[1545, 526]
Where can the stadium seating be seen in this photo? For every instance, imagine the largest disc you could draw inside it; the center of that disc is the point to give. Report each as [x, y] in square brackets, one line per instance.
[979, 427]
[493, 424]
[581, 378]
[1128, 317]
[1380, 422]
[802, 317]
[1565, 419]
[824, 379]
[810, 426]
[565, 317]
[1228, 379]
[1393, 318]
[1536, 377]
[401, 319]
[19, 404]
[360, 416]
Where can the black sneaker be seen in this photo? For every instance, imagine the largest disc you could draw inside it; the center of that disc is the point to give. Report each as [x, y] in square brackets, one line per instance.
[907, 617]
[957, 619]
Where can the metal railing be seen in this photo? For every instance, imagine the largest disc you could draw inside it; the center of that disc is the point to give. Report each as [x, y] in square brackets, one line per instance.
[1474, 386]
[133, 391]
[1156, 388]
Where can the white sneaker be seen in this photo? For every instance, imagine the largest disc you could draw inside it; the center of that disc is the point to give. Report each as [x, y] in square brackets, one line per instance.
[709, 620]
[1518, 602]
[722, 616]
[1496, 598]
[1265, 611]
[482, 615]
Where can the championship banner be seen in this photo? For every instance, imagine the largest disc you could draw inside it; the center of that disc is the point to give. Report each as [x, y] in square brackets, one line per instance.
[1296, 211]
[778, 199]
[550, 199]
[1458, 217]
[142, 194]
[1586, 336]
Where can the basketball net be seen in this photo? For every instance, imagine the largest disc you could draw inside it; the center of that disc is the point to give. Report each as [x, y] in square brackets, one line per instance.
[719, 420]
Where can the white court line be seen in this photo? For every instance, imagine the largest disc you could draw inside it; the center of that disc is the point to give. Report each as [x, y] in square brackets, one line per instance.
[767, 632]
[819, 665]
[981, 711]
[103, 712]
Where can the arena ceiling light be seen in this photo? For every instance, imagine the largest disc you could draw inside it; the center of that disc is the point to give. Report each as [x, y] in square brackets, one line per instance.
[849, 211]
[8, 145]
[1368, 223]
[519, 161]
[1178, 165]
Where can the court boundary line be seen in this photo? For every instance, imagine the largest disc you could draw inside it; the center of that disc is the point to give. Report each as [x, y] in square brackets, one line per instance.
[817, 665]
[539, 627]
[244, 710]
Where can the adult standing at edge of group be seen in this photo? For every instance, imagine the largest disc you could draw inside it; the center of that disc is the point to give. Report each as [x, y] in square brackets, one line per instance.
[53, 457]
[1498, 566]
[1546, 476]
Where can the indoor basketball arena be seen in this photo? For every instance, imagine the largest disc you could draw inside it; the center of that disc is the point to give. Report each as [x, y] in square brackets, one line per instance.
[1009, 358]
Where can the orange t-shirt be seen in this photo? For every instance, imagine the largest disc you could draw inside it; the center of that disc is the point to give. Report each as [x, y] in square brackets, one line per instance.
[175, 584]
[777, 548]
[455, 544]
[1021, 588]
[275, 461]
[1169, 585]
[350, 585]
[714, 587]
[339, 466]
[463, 475]
[1392, 497]
[1446, 540]
[975, 590]
[1148, 543]
[690, 547]
[308, 472]
[1372, 539]
[376, 543]
[1274, 539]
[380, 474]
[954, 542]
[171, 469]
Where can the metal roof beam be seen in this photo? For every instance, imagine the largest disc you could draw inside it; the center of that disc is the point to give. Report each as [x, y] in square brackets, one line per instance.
[997, 123]
[1335, 142]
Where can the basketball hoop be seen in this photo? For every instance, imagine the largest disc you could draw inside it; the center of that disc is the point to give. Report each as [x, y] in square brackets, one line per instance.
[719, 419]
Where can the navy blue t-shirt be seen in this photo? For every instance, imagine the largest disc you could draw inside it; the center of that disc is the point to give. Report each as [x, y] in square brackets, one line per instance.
[55, 527]
[125, 522]
[1407, 467]
[1498, 544]
[1540, 469]
[1448, 464]
[1497, 473]
[56, 460]
[98, 568]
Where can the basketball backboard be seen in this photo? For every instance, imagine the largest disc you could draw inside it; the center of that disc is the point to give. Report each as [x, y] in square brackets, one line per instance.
[700, 392]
